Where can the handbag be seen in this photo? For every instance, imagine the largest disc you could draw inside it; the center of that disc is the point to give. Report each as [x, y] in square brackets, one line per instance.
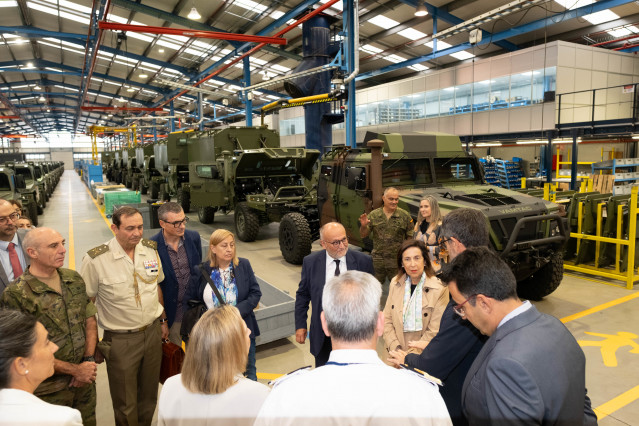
[172, 359]
[197, 308]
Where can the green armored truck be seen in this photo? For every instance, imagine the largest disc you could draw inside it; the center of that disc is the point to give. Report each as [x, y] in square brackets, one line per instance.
[528, 232]
[25, 183]
[10, 187]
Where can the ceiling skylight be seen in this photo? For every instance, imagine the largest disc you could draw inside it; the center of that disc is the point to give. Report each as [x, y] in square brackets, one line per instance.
[383, 22]
[462, 55]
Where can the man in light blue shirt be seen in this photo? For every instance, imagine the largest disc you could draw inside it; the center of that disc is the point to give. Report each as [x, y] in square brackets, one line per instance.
[12, 257]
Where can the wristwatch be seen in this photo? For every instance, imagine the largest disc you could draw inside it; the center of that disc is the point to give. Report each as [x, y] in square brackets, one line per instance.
[88, 359]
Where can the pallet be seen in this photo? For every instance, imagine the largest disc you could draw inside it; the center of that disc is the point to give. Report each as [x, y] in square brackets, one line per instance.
[603, 183]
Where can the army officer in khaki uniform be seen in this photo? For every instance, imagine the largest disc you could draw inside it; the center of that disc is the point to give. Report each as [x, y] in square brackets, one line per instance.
[122, 278]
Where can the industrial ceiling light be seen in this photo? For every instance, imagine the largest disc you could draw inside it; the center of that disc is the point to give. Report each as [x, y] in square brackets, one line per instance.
[130, 89]
[143, 75]
[266, 77]
[48, 110]
[161, 50]
[36, 87]
[421, 10]
[194, 14]
[42, 99]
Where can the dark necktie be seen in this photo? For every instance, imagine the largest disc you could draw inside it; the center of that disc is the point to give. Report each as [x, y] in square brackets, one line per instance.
[336, 267]
[15, 261]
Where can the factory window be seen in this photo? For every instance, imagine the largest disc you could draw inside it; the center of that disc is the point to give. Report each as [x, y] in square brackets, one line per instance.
[543, 81]
[520, 89]
[463, 98]
[432, 103]
[481, 95]
[499, 92]
[447, 101]
[419, 105]
[292, 126]
[35, 157]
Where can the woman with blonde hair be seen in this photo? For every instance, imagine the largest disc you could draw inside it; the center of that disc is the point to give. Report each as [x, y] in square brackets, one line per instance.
[416, 301]
[234, 280]
[428, 226]
[211, 389]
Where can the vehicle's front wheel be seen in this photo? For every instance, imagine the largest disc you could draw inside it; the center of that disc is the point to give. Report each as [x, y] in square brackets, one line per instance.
[33, 213]
[247, 223]
[184, 199]
[206, 214]
[295, 238]
[544, 281]
[143, 188]
[155, 189]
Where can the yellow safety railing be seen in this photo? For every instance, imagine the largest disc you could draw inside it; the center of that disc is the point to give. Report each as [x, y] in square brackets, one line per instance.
[630, 276]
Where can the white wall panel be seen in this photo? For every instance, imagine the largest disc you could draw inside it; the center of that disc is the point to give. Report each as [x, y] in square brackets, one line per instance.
[499, 121]
[447, 78]
[627, 63]
[583, 57]
[500, 66]
[566, 56]
[464, 74]
[614, 62]
[519, 120]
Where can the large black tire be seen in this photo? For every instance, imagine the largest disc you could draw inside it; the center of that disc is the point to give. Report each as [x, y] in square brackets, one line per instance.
[206, 214]
[143, 188]
[134, 184]
[164, 194]
[184, 199]
[127, 181]
[247, 223]
[544, 281]
[33, 213]
[295, 238]
[154, 190]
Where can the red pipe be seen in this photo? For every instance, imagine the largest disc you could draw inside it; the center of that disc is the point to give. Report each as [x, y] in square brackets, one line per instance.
[258, 47]
[615, 40]
[626, 46]
[94, 55]
[190, 33]
[7, 117]
[109, 108]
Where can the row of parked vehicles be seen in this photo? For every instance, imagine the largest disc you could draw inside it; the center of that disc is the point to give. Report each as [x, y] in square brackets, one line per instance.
[31, 183]
[244, 170]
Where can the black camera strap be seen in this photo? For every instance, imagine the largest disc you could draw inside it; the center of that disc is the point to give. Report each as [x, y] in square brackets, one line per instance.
[208, 279]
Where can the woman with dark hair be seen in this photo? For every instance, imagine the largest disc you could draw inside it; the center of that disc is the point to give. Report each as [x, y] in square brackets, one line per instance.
[428, 226]
[211, 390]
[416, 300]
[234, 280]
[26, 360]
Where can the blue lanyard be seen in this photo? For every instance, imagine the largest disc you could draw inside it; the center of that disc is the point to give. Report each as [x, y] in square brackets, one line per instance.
[342, 364]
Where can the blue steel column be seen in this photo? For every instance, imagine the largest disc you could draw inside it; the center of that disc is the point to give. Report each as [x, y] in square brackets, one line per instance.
[172, 120]
[349, 24]
[200, 111]
[575, 159]
[549, 158]
[247, 82]
[434, 32]
[155, 130]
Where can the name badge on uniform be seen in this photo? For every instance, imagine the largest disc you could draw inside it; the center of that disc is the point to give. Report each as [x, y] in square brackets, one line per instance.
[151, 265]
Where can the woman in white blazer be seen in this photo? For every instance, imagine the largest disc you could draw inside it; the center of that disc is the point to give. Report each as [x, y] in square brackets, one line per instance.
[211, 389]
[26, 360]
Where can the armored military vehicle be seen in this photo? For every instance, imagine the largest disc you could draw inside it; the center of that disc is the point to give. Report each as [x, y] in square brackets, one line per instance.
[25, 183]
[528, 232]
[49, 177]
[155, 172]
[10, 186]
[41, 181]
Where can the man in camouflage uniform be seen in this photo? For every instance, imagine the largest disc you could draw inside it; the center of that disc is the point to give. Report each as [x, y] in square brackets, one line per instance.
[390, 226]
[57, 298]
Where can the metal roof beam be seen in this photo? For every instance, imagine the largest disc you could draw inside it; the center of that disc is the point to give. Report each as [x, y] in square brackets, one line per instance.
[522, 29]
[33, 32]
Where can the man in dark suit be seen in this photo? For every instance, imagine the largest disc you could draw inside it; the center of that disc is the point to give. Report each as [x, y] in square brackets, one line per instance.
[531, 370]
[318, 268]
[452, 351]
[12, 258]
[180, 252]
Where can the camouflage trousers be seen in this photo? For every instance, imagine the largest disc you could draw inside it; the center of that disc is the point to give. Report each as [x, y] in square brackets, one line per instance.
[385, 268]
[82, 399]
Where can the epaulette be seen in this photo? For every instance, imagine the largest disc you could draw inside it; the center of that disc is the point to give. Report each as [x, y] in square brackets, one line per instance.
[276, 382]
[422, 374]
[97, 251]
[150, 243]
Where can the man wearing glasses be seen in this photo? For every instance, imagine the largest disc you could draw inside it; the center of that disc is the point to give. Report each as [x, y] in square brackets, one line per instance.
[12, 256]
[317, 269]
[180, 250]
[531, 370]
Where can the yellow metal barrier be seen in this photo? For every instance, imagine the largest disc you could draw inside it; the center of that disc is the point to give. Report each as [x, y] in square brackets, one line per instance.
[550, 192]
[630, 276]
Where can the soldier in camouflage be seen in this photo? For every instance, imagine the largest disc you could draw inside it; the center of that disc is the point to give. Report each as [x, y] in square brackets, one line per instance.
[390, 226]
[57, 298]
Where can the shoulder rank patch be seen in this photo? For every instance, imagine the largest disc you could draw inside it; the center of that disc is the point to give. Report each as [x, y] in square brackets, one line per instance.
[282, 379]
[150, 243]
[97, 251]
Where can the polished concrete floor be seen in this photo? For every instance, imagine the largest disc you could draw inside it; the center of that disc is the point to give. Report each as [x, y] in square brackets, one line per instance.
[592, 310]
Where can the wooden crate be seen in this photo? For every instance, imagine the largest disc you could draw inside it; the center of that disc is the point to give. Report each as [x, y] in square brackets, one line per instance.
[603, 183]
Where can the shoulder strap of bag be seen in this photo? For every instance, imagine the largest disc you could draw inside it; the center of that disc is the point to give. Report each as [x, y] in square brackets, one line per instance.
[212, 284]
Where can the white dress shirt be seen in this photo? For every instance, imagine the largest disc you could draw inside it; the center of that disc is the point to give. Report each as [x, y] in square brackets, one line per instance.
[517, 311]
[354, 388]
[4, 257]
[238, 405]
[330, 266]
[20, 408]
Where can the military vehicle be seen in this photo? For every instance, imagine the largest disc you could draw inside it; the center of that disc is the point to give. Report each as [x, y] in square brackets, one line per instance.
[49, 176]
[528, 232]
[155, 170]
[10, 186]
[25, 183]
[41, 181]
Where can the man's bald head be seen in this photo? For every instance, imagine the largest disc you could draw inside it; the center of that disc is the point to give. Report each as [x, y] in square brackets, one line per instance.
[45, 247]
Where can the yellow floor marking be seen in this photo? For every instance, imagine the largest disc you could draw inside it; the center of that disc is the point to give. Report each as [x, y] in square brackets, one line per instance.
[99, 209]
[71, 251]
[582, 277]
[268, 376]
[610, 344]
[599, 307]
[617, 403]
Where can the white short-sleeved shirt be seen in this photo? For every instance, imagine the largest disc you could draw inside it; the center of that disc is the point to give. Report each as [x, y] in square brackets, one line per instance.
[238, 405]
[20, 408]
[354, 388]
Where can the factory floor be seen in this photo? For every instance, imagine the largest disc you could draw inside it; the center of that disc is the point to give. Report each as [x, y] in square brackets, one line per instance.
[601, 314]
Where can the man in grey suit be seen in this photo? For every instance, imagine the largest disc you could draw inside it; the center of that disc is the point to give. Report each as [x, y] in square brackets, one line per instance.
[12, 258]
[531, 370]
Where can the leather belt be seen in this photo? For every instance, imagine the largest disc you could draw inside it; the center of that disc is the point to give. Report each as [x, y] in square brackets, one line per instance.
[135, 330]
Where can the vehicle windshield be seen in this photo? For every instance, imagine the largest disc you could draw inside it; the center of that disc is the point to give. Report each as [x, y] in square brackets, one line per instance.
[26, 172]
[4, 182]
[38, 172]
[461, 169]
[406, 172]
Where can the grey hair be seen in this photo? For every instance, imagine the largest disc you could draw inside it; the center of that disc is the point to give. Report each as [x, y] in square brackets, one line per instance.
[168, 207]
[351, 306]
[321, 231]
[390, 188]
[30, 239]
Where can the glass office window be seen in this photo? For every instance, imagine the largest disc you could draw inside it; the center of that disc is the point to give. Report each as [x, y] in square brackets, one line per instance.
[499, 92]
[543, 80]
[419, 105]
[521, 89]
[407, 111]
[481, 95]
[447, 101]
[361, 115]
[371, 114]
[463, 98]
[432, 104]
[389, 111]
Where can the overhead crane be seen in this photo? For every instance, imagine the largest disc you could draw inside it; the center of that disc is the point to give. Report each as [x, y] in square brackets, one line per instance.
[94, 131]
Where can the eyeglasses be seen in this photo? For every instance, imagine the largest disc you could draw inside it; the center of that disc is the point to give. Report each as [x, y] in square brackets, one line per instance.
[337, 243]
[459, 309]
[178, 223]
[11, 217]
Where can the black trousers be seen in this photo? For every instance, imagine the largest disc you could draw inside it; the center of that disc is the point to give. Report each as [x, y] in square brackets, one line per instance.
[322, 357]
